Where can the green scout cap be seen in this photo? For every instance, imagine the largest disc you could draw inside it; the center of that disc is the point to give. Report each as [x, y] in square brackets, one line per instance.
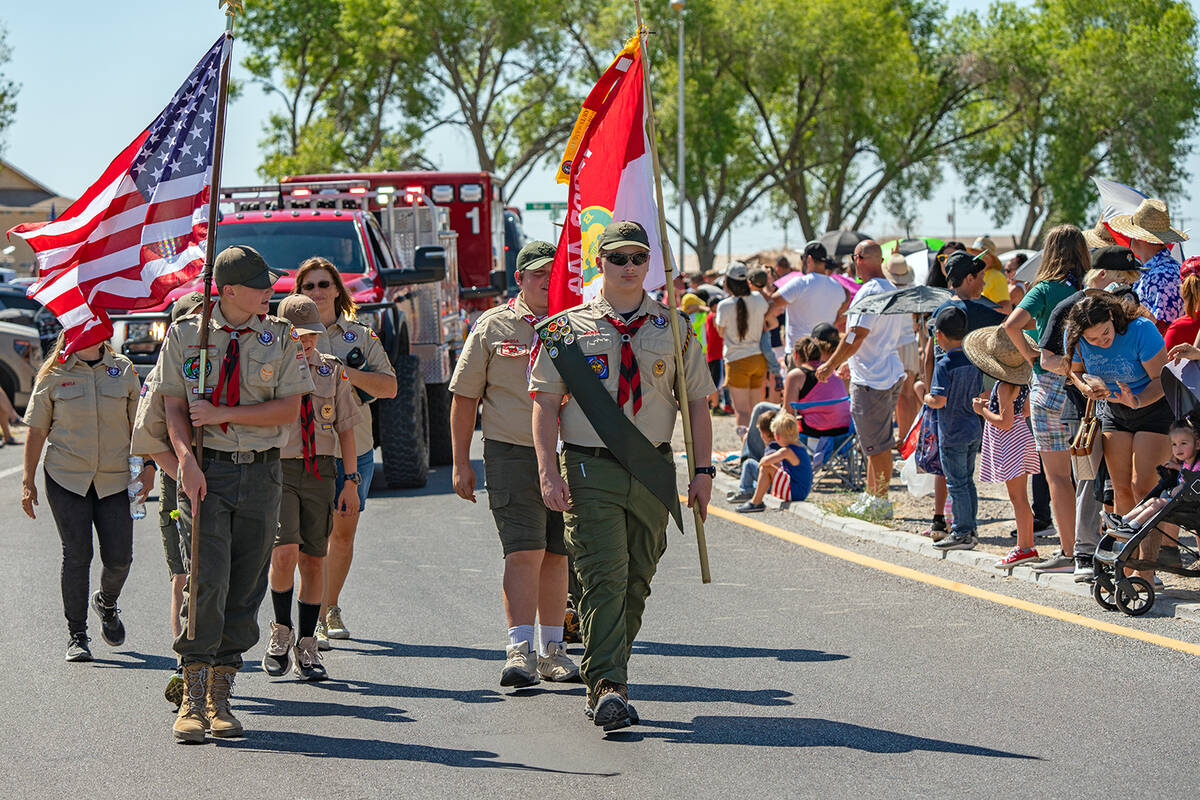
[188, 304]
[241, 265]
[623, 233]
[535, 255]
[302, 312]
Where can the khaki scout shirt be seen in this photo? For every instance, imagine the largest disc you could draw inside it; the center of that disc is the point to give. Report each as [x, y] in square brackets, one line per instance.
[334, 409]
[494, 366]
[150, 422]
[654, 350]
[344, 336]
[89, 412]
[272, 366]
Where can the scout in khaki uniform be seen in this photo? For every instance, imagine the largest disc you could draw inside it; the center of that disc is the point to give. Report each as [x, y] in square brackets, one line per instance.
[257, 373]
[325, 426]
[615, 522]
[494, 367]
[373, 377]
[150, 440]
[84, 407]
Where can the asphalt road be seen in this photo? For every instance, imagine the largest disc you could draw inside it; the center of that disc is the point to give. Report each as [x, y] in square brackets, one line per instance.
[793, 674]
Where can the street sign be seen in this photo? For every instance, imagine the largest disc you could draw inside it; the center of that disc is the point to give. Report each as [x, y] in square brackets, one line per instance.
[547, 206]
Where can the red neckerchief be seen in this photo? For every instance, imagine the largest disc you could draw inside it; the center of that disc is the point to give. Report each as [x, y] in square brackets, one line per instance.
[229, 379]
[533, 320]
[630, 382]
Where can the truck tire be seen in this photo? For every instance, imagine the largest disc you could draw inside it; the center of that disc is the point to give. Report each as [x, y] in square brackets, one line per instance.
[440, 451]
[404, 428]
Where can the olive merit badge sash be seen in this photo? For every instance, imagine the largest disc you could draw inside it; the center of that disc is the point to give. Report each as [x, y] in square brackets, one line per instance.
[628, 445]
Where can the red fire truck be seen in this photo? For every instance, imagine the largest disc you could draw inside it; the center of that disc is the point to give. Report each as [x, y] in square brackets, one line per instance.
[474, 200]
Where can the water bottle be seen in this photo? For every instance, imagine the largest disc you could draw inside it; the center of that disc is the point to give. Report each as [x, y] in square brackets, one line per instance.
[137, 506]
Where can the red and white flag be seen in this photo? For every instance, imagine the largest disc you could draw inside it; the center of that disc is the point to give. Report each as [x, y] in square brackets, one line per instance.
[608, 168]
[140, 230]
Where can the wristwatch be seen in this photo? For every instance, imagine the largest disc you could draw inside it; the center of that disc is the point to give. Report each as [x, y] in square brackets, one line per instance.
[356, 477]
[709, 471]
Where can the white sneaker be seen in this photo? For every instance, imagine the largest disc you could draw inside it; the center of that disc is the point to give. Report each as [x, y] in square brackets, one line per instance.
[556, 665]
[861, 504]
[520, 666]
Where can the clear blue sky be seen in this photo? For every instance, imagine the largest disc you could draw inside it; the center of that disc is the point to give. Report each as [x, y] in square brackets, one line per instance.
[93, 75]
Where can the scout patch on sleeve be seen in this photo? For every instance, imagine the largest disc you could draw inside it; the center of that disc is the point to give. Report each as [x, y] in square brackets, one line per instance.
[145, 389]
[295, 336]
[372, 334]
[599, 365]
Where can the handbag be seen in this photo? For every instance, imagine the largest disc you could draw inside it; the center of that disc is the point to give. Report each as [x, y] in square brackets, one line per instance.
[927, 443]
[1087, 447]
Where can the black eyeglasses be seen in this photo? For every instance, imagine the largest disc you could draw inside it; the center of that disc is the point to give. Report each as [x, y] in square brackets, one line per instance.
[621, 259]
[308, 287]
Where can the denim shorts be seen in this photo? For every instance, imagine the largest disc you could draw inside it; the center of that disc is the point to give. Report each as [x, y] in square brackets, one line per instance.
[366, 468]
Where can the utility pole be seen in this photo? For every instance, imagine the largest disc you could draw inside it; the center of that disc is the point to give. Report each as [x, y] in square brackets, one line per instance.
[681, 181]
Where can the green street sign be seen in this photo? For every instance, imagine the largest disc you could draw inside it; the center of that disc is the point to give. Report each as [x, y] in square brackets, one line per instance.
[547, 206]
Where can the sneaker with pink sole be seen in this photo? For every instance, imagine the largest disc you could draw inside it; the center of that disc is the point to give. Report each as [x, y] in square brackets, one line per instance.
[1017, 556]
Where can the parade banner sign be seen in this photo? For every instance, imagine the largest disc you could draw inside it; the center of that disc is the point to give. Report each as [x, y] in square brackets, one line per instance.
[140, 230]
[607, 165]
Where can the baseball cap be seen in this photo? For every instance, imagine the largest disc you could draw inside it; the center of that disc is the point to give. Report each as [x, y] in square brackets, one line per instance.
[535, 255]
[241, 265]
[757, 277]
[1116, 258]
[960, 265]
[623, 233]
[952, 322]
[984, 244]
[825, 332]
[816, 250]
[737, 271]
[301, 311]
[188, 304]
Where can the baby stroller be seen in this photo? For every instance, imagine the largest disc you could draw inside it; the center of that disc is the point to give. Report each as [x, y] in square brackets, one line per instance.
[1134, 595]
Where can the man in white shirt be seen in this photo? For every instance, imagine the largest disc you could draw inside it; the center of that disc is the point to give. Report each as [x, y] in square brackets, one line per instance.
[811, 298]
[876, 376]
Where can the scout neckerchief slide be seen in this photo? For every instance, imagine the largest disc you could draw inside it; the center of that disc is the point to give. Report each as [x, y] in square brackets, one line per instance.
[622, 438]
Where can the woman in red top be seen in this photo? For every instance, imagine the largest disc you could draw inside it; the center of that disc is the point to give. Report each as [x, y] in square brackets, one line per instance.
[1184, 329]
[714, 346]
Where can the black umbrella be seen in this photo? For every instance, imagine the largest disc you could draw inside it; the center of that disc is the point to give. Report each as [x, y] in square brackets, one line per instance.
[907, 247]
[1181, 384]
[841, 243]
[909, 300]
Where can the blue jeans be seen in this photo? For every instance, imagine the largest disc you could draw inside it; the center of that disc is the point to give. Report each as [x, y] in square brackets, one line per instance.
[958, 463]
[753, 446]
[749, 476]
[365, 468]
[764, 345]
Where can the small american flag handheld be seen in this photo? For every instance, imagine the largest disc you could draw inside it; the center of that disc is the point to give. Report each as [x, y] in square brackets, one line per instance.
[140, 230]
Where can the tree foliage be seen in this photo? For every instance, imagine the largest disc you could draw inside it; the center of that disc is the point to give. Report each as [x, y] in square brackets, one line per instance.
[8, 89]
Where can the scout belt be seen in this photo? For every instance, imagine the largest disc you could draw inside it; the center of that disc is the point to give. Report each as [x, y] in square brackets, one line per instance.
[243, 456]
[624, 441]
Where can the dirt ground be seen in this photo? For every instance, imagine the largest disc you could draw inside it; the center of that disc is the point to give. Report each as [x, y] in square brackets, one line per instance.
[995, 520]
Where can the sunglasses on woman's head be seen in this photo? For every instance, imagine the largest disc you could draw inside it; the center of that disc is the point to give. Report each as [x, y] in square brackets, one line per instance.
[621, 259]
[308, 287]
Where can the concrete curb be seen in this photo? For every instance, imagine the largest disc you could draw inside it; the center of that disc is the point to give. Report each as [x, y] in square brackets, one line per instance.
[1164, 605]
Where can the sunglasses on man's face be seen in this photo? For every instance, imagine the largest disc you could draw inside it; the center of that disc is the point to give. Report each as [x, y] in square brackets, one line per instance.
[308, 287]
[621, 259]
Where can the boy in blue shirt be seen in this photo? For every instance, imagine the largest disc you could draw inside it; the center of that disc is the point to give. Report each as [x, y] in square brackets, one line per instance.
[960, 430]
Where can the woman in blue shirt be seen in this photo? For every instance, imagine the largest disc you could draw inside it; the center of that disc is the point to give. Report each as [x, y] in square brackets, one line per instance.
[1117, 356]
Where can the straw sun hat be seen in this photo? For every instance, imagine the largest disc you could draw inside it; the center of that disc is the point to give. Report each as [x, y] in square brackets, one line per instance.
[1099, 236]
[993, 352]
[1150, 223]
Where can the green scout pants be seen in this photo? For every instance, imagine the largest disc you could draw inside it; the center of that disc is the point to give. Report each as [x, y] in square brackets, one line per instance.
[616, 531]
[167, 489]
[239, 518]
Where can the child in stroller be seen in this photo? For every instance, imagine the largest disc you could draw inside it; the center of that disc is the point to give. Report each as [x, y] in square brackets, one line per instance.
[1185, 455]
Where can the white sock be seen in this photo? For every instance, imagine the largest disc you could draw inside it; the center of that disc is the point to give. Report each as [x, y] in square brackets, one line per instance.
[521, 633]
[548, 634]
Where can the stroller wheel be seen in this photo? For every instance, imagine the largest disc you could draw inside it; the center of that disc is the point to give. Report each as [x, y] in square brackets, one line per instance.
[1103, 591]
[1135, 596]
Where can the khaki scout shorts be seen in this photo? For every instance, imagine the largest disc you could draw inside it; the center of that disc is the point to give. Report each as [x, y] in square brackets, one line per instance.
[306, 506]
[515, 497]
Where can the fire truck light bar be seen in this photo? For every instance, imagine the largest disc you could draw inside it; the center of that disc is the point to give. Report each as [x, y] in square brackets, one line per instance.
[301, 193]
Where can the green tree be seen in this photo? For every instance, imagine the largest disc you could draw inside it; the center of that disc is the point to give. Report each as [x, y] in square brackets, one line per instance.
[8, 89]
[1104, 88]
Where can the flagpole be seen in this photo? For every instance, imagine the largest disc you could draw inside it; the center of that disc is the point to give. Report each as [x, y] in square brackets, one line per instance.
[232, 7]
[680, 377]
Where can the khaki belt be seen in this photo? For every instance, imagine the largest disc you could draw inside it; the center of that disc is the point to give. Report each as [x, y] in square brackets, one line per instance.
[243, 456]
[604, 452]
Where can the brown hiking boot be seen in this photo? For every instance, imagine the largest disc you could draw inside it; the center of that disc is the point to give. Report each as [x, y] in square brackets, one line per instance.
[221, 720]
[191, 721]
[612, 705]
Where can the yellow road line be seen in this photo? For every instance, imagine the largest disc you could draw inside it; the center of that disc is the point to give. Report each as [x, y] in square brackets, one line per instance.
[953, 586]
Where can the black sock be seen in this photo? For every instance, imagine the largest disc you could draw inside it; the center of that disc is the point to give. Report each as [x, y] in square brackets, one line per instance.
[283, 606]
[309, 614]
[939, 522]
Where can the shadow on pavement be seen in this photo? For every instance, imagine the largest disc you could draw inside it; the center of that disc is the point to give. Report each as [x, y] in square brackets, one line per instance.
[274, 707]
[673, 693]
[382, 648]
[799, 732]
[369, 689]
[726, 651]
[316, 746]
[141, 661]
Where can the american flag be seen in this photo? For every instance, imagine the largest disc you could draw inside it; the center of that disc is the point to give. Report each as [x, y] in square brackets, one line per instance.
[140, 230]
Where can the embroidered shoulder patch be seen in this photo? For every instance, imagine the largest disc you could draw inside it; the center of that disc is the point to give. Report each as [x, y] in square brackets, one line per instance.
[599, 365]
